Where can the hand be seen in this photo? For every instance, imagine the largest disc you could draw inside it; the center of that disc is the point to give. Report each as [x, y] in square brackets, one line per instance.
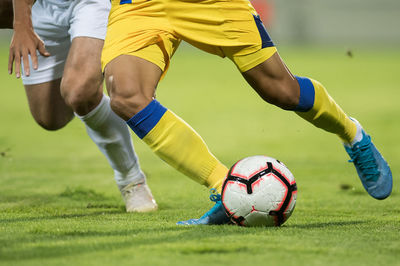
[23, 43]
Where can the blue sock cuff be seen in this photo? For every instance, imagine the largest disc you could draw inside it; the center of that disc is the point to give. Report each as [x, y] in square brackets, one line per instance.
[146, 119]
[307, 94]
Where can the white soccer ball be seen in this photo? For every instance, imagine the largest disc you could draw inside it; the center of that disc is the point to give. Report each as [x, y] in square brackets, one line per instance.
[259, 191]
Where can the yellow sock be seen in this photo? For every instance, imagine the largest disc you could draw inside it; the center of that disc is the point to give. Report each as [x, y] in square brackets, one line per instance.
[317, 107]
[178, 144]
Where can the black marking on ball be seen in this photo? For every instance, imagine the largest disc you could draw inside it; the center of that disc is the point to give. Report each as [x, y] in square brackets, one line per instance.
[248, 182]
[238, 220]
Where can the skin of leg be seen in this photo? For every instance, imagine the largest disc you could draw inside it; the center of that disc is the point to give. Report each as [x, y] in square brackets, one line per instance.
[80, 90]
[81, 85]
[273, 81]
[275, 84]
[131, 83]
[47, 106]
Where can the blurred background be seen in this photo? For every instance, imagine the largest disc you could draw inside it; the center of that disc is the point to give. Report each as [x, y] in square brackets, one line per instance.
[325, 22]
[55, 187]
[350, 46]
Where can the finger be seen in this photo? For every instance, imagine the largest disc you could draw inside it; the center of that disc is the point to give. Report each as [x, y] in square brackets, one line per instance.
[42, 50]
[34, 59]
[17, 65]
[25, 59]
[10, 62]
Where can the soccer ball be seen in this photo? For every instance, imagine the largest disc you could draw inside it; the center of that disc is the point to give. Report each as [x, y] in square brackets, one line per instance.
[259, 191]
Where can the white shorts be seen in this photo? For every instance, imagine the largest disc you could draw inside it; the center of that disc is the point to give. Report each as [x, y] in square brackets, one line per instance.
[58, 22]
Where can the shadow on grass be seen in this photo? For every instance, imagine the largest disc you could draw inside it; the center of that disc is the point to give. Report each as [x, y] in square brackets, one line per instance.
[358, 191]
[325, 225]
[54, 244]
[77, 197]
[76, 193]
[58, 245]
[81, 193]
[51, 206]
[47, 244]
[58, 216]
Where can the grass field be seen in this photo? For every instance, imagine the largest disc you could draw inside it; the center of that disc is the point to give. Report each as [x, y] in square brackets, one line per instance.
[59, 204]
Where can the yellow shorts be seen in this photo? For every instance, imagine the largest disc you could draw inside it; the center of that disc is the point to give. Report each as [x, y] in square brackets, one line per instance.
[153, 29]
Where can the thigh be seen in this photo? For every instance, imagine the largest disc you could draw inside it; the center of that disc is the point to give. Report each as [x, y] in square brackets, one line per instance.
[47, 106]
[43, 85]
[87, 30]
[82, 80]
[83, 69]
[139, 25]
[272, 69]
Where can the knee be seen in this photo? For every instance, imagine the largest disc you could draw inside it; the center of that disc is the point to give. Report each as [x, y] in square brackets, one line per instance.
[82, 95]
[128, 104]
[128, 97]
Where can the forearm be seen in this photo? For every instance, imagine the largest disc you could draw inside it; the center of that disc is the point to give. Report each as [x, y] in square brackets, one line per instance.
[6, 14]
[22, 13]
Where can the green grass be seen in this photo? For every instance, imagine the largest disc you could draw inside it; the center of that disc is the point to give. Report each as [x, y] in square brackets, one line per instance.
[59, 204]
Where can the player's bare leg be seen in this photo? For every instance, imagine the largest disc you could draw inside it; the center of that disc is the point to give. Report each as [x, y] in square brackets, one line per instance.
[273, 81]
[74, 72]
[131, 82]
[81, 85]
[47, 105]
[82, 90]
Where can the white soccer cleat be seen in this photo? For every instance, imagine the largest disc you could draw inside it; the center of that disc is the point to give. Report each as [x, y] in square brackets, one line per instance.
[138, 198]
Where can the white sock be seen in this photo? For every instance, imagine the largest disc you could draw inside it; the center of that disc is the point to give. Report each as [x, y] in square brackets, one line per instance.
[359, 134]
[113, 138]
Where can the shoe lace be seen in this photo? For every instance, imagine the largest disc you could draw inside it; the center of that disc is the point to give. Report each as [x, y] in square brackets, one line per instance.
[214, 195]
[362, 156]
[131, 188]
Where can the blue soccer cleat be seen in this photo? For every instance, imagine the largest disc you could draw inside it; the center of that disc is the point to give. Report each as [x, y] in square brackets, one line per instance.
[216, 215]
[371, 167]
